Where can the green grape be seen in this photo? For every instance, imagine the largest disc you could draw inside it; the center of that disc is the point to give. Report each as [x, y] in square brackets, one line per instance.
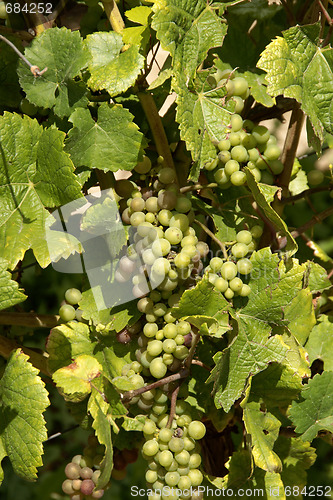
[239, 153]
[195, 476]
[224, 145]
[224, 156]
[189, 250]
[239, 104]
[182, 260]
[72, 471]
[159, 408]
[267, 177]
[172, 478]
[180, 221]
[249, 143]
[179, 339]
[162, 421]
[315, 177]
[239, 250]
[150, 448]
[161, 267]
[160, 309]
[261, 134]
[221, 285]
[257, 174]
[231, 166]
[67, 312]
[236, 122]
[244, 266]
[165, 435]
[154, 496]
[86, 473]
[165, 458]
[202, 248]
[154, 347]
[256, 231]
[196, 429]
[148, 396]
[189, 443]
[236, 284]
[229, 294]
[143, 166]
[176, 444]
[148, 257]
[67, 487]
[167, 175]
[164, 217]
[253, 154]
[276, 166]
[272, 152]
[228, 270]
[167, 200]
[145, 304]
[245, 291]
[189, 240]
[174, 235]
[244, 236]
[152, 205]
[170, 331]
[234, 138]
[137, 205]
[240, 85]
[182, 457]
[221, 177]
[183, 204]
[150, 329]
[238, 178]
[151, 476]
[181, 352]
[73, 296]
[169, 345]
[157, 368]
[137, 218]
[210, 165]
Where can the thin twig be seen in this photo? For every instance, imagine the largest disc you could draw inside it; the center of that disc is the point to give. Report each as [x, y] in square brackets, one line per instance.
[200, 363]
[290, 15]
[195, 341]
[304, 194]
[212, 235]
[34, 69]
[7, 346]
[58, 434]
[316, 219]
[173, 406]
[30, 320]
[324, 11]
[183, 373]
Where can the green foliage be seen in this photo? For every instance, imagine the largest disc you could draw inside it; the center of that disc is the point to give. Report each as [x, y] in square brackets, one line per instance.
[23, 402]
[10, 293]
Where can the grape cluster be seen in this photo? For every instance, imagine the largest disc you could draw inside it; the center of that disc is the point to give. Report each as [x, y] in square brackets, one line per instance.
[83, 472]
[227, 275]
[173, 455]
[246, 144]
[67, 311]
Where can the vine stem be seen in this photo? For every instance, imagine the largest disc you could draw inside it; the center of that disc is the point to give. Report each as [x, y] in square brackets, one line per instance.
[212, 235]
[30, 320]
[304, 194]
[155, 123]
[36, 359]
[195, 341]
[34, 69]
[173, 406]
[195, 187]
[171, 378]
[114, 16]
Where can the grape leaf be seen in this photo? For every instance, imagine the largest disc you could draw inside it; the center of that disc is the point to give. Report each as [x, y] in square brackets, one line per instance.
[10, 294]
[278, 385]
[273, 287]
[66, 342]
[264, 204]
[203, 305]
[10, 95]
[296, 67]
[299, 183]
[137, 35]
[263, 427]
[62, 52]
[314, 410]
[270, 483]
[297, 456]
[320, 342]
[317, 280]
[202, 114]
[301, 316]
[22, 424]
[111, 69]
[103, 434]
[187, 29]
[34, 173]
[111, 143]
[74, 380]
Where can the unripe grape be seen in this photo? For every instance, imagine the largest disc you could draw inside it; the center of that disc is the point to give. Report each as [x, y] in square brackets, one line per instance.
[224, 145]
[73, 296]
[143, 166]
[137, 205]
[234, 138]
[182, 261]
[174, 235]
[165, 458]
[228, 270]
[124, 188]
[167, 200]
[236, 122]
[195, 476]
[221, 177]
[72, 471]
[165, 435]
[229, 294]
[272, 152]
[180, 221]
[202, 248]
[86, 473]
[238, 178]
[244, 266]
[164, 217]
[245, 291]
[182, 457]
[240, 86]
[169, 345]
[150, 448]
[176, 444]
[256, 231]
[183, 204]
[244, 236]
[67, 312]
[276, 166]
[137, 218]
[231, 166]
[76, 484]
[236, 284]
[253, 154]
[239, 250]
[161, 267]
[224, 156]
[315, 177]
[157, 368]
[67, 487]
[221, 285]
[97, 494]
[172, 478]
[261, 134]
[167, 175]
[239, 103]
